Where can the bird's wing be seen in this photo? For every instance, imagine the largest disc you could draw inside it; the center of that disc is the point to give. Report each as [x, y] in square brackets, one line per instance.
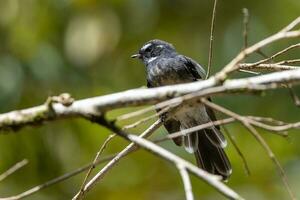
[193, 67]
[171, 125]
[214, 134]
[211, 113]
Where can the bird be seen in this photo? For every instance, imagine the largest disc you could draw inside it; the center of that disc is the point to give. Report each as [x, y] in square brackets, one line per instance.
[164, 66]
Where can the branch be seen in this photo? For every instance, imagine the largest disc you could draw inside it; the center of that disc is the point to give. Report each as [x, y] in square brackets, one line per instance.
[283, 34]
[270, 153]
[186, 182]
[248, 124]
[294, 46]
[13, 169]
[286, 62]
[188, 131]
[131, 147]
[237, 149]
[246, 27]
[211, 38]
[55, 180]
[266, 67]
[213, 180]
[210, 179]
[96, 106]
[103, 146]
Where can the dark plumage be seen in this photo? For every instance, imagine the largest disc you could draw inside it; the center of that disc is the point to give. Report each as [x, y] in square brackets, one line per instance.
[164, 66]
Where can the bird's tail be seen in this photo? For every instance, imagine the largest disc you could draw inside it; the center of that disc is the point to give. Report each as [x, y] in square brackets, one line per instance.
[210, 156]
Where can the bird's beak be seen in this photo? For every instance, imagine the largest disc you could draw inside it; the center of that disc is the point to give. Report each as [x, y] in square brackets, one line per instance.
[136, 55]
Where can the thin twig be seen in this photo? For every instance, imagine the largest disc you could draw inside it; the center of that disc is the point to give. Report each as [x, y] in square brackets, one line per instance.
[141, 121]
[187, 131]
[103, 146]
[55, 180]
[238, 150]
[211, 38]
[247, 124]
[96, 106]
[116, 159]
[266, 67]
[294, 46]
[291, 26]
[186, 182]
[246, 27]
[212, 180]
[249, 72]
[268, 120]
[277, 126]
[282, 174]
[13, 169]
[233, 64]
[135, 113]
[288, 62]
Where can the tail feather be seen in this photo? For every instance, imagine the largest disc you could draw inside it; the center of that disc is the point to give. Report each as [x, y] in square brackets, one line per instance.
[212, 158]
[191, 142]
[216, 137]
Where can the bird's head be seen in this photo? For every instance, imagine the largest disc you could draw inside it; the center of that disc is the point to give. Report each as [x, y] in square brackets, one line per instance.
[154, 49]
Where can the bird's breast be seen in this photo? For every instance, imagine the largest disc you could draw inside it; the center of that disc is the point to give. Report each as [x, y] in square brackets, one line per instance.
[160, 75]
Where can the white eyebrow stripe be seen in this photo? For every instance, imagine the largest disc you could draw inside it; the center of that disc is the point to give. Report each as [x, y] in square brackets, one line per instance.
[146, 46]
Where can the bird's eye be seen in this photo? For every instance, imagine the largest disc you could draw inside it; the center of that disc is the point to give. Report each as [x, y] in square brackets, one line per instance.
[148, 49]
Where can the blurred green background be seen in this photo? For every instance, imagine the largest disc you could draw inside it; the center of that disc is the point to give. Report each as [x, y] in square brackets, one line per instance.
[83, 47]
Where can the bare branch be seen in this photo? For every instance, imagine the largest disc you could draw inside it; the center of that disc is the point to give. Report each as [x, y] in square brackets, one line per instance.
[236, 147]
[283, 34]
[187, 131]
[260, 139]
[266, 67]
[291, 26]
[141, 121]
[13, 169]
[268, 120]
[211, 38]
[287, 62]
[94, 107]
[55, 180]
[249, 72]
[247, 123]
[103, 146]
[212, 180]
[246, 28]
[115, 160]
[294, 46]
[186, 182]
